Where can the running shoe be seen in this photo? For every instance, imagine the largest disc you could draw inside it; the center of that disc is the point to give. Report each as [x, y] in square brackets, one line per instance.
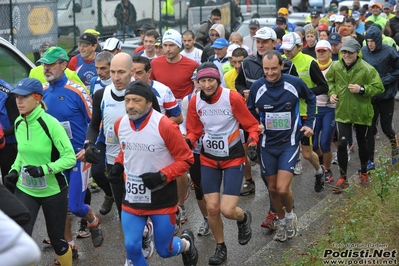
[271, 221]
[335, 158]
[349, 153]
[292, 226]
[47, 242]
[370, 167]
[319, 180]
[128, 263]
[190, 257]
[328, 176]
[107, 205]
[188, 187]
[82, 232]
[352, 147]
[148, 240]
[244, 229]
[178, 215]
[341, 184]
[183, 215]
[204, 229]
[281, 234]
[248, 188]
[298, 167]
[97, 235]
[219, 256]
[363, 179]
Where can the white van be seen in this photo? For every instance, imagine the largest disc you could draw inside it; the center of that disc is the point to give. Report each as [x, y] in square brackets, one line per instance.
[86, 16]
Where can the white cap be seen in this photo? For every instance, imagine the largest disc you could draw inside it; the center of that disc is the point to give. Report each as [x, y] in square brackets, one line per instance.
[396, 8]
[332, 17]
[383, 15]
[112, 44]
[230, 49]
[339, 18]
[323, 45]
[266, 33]
[173, 36]
[290, 40]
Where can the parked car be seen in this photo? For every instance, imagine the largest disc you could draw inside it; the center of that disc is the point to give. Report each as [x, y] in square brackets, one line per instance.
[258, 8]
[295, 18]
[14, 65]
[317, 4]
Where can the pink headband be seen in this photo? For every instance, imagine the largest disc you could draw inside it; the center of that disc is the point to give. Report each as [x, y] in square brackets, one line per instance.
[208, 73]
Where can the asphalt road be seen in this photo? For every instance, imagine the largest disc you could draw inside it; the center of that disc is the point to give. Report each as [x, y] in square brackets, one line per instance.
[261, 250]
[112, 251]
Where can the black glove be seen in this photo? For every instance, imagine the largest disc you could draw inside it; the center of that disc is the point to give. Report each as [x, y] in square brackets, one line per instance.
[91, 154]
[34, 171]
[190, 145]
[252, 155]
[115, 175]
[152, 180]
[11, 179]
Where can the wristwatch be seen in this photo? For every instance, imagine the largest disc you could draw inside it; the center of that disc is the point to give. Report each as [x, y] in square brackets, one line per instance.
[50, 171]
[361, 92]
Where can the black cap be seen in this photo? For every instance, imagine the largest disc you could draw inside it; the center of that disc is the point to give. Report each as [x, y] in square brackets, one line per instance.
[141, 88]
[280, 32]
[216, 12]
[254, 24]
[314, 13]
[88, 38]
[281, 20]
[158, 41]
[334, 2]
[146, 27]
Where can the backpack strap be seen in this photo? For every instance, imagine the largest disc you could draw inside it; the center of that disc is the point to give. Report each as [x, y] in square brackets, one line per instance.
[54, 151]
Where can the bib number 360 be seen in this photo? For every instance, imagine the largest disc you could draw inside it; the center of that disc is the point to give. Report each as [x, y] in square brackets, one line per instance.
[216, 144]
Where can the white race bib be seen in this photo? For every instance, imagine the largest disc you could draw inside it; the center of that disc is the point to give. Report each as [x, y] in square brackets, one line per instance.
[111, 136]
[136, 191]
[216, 144]
[32, 182]
[278, 121]
[67, 126]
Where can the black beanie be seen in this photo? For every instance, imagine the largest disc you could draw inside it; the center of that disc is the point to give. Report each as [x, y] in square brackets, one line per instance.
[139, 88]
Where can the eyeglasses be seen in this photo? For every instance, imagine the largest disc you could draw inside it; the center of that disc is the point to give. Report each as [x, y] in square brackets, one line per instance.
[347, 52]
[214, 35]
[84, 45]
[58, 62]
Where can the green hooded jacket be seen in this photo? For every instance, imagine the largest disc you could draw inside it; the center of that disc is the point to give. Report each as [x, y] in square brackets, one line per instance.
[354, 108]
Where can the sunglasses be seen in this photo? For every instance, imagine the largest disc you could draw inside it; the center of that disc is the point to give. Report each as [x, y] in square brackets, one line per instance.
[215, 35]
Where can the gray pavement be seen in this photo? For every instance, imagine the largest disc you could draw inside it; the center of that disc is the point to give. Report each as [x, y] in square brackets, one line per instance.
[256, 252]
[261, 250]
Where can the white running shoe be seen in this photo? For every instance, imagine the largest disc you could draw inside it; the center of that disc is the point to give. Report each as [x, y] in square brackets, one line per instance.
[148, 240]
[298, 167]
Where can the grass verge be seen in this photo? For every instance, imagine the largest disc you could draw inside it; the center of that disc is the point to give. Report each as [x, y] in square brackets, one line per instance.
[366, 219]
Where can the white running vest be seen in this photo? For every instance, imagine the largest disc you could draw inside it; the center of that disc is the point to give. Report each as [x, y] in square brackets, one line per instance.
[111, 111]
[144, 150]
[220, 126]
